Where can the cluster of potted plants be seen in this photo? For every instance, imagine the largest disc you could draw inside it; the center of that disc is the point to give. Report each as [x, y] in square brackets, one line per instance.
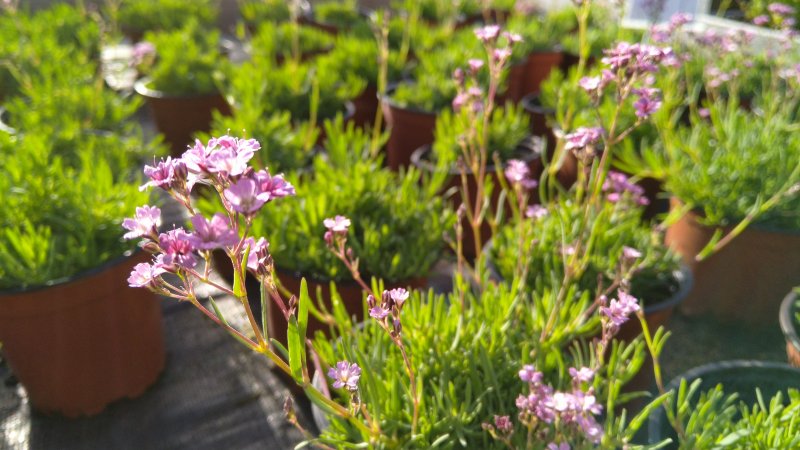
[353, 150]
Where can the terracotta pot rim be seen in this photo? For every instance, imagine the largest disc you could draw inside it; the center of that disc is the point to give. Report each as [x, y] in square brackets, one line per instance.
[141, 88]
[127, 255]
[683, 275]
[387, 98]
[786, 319]
[536, 144]
[766, 228]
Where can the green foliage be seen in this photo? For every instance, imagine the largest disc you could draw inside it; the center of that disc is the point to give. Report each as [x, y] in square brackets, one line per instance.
[542, 33]
[256, 12]
[734, 162]
[397, 224]
[164, 15]
[714, 419]
[186, 59]
[434, 87]
[508, 128]
[60, 219]
[57, 43]
[466, 350]
[538, 245]
[276, 41]
[342, 14]
[292, 87]
[358, 58]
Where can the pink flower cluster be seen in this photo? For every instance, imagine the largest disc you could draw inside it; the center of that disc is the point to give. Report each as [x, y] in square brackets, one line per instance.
[619, 310]
[223, 164]
[519, 174]
[391, 304]
[575, 408]
[617, 186]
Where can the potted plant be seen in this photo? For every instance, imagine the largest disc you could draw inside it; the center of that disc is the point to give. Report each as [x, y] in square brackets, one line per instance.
[285, 146]
[411, 108]
[789, 318]
[256, 12]
[734, 170]
[398, 239]
[338, 16]
[136, 17]
[60, 41]
[306, 92]
[507, 139]
[289, 40]
[425, 370]
[63, 269]
[360, 58]
[537, 244]
[736, 404]
[180, 87]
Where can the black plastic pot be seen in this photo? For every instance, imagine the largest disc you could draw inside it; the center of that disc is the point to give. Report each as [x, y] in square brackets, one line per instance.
[739, 376]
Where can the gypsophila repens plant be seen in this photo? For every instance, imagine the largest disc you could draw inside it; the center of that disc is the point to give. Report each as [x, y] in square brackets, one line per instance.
[139, 16]
[397, 224]
[289, 40]
[256, 12]
[186, 59]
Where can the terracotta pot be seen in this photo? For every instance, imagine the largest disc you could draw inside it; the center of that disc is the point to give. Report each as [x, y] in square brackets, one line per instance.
[747, 279]
[409, 128]
[741, 377]
[787, 319]
[349, 291]
[366, 106]
[104, 340]
[178, 118]
[515, 89]
[538, 68]
[421, 160]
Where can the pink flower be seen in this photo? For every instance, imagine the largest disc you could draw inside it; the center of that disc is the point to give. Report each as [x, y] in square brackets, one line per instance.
[761, 20]
[513, 38]
[780, 9]
[178, 249]
[582, 375]
[337, 225]
[258, 256]
[167, 174]
[475, 65]
[487, 33]
[648, 102]
[142, 50]
[529, 374]
[590, 84]
[631, 254]
[145, 275]
[214, 233]
[271, 188]
[398, 296]
[518, 173]
[536, 212]
[583, 138]
[144, 223]
[618, 311]
[561, 446]
[503, 424]
[244, 196]
[378, 312]
[345, 375]
[501, 54]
